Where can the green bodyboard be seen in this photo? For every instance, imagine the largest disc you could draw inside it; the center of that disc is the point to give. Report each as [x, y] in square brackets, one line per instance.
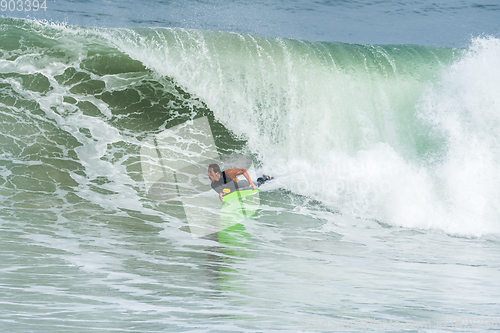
[238, 194]
[238, 206]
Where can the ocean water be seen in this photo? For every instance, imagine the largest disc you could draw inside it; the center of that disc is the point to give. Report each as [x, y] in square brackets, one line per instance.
[378, 120]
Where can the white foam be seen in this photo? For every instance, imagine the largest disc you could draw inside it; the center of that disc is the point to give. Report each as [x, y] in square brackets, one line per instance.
[305, 114]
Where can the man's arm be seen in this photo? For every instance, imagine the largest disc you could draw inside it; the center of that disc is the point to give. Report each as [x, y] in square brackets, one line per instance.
[232, 173]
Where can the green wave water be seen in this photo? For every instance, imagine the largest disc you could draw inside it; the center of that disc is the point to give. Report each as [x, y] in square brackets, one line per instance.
[390, 133]
[379, 154]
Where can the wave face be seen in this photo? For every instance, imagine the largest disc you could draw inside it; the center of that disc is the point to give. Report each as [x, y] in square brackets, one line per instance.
[403, 134]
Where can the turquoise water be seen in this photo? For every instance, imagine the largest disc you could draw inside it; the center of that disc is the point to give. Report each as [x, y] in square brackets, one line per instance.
[383, 214]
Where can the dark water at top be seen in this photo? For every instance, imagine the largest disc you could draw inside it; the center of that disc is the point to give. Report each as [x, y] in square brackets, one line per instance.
[425, 22]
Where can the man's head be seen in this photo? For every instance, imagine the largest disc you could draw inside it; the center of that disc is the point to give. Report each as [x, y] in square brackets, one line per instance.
[214, 172]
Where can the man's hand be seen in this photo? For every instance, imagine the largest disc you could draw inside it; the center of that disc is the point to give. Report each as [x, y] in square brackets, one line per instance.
[221, 195]
[253, 186]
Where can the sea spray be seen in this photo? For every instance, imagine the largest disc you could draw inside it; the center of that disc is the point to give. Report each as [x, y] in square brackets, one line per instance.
[464, 107]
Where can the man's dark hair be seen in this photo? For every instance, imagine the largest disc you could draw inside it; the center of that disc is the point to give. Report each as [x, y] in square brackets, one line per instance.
[215, 168]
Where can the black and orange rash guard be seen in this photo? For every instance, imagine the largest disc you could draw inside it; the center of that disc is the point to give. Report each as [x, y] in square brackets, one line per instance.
[229, 176]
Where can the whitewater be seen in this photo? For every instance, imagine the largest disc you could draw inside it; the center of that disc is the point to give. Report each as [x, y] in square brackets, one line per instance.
[358, 128]
[383, 214]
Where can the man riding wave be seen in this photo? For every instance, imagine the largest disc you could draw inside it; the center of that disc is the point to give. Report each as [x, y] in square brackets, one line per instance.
[221, 180]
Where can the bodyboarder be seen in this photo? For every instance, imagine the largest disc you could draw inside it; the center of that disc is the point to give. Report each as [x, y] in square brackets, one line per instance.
[224, 182]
